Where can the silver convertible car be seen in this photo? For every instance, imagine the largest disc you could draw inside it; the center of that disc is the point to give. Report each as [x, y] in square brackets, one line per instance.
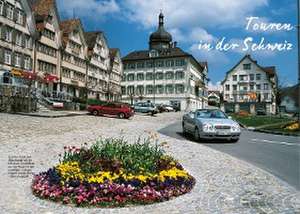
[211, 124]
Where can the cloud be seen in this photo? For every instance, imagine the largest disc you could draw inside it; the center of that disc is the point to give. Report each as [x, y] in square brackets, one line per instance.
[192, 13]
[214, 57]
[88, 8]
[199, 34]
[214, 87]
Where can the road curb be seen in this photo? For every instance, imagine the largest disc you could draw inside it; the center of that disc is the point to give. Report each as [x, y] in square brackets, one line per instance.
[49, 116]
[274, 132]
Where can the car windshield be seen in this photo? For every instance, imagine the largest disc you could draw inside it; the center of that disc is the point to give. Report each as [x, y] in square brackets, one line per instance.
[210, 114]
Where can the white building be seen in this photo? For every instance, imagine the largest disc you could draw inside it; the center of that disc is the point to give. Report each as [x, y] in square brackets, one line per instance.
[249, 83]
[98, 65]
[164, 74]
[17, 32]
[48, 45]
[74, 54]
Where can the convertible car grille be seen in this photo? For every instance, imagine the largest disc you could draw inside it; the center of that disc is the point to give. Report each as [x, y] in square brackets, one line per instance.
[222, 127]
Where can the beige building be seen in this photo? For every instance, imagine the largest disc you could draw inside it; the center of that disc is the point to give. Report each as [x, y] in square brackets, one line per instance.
[73, 55]
[98, 65]
[115, 75]
[17, 30]
[48, 44]
[249, 86]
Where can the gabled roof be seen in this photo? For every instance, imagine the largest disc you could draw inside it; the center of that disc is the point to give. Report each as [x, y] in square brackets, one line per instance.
[41, 9]
[270, 70]
[91, 38]
[68, 26]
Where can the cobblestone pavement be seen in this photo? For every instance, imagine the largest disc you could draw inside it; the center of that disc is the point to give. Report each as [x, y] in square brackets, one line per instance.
[224, 184]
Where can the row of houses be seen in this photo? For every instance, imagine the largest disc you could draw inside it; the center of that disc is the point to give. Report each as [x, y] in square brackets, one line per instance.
[57, 56]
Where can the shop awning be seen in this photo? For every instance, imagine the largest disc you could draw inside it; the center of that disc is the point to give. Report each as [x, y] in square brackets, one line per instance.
[51, 78]
[16, 72]
[29, 75]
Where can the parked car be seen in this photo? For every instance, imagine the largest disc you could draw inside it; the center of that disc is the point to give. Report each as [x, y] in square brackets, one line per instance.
[211, 124]
[261, 111]
[176, 108]
[145, 107]
[121, 110]
[168, 108]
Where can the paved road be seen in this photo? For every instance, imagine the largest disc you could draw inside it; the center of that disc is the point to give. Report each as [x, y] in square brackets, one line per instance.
[279, 155]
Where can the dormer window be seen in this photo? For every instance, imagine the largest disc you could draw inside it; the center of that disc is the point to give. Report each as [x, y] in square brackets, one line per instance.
[247, 66]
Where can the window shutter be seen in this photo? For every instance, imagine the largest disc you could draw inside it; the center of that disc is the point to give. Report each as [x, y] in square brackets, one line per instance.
[2, 55]
[4, 9]
[23, 40]
[24, 19]
[15, 15]
[12, 58]
[14, 35]
[22, 61]
[3, 31]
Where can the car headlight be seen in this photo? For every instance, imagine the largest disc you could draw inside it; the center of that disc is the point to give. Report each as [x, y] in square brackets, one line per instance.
[207, 127]
[235, 128]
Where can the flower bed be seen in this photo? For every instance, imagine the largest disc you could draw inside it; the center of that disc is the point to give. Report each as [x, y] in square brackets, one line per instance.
[113, 173]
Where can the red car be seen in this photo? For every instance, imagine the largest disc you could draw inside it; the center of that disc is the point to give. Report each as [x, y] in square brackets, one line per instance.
[121, 110]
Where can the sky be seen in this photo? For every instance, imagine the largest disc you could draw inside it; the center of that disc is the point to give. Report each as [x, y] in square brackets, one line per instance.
[127, 25]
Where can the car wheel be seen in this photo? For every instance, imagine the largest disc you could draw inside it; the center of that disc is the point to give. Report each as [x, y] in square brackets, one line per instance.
[95, 113]
[121, 115]
[196, 134]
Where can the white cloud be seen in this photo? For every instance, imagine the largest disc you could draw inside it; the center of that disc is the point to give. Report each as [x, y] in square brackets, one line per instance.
[192, 13]
[88, 8]
[213, 57]
[199, 34]
[214, 87]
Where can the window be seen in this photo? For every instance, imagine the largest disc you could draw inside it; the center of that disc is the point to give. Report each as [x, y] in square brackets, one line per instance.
[179, 75]
[28, 42]
[131, 66]
[234, 87]
[8, 34]
[247, 66]
[140, 65]
[170, 63]
[244, 88]
[46, 67]
[149, 89]
[20, 17]
[159, 76]
[7, 57]
[258, 87]
[169, 89]
[266, 96]
[180, 62]
[17, 60]
[67, 57]
[27, 62]
[149, 76]
[46, 50]
[159, 89]
[258, 76]
[9, 11]
[19, 39]
[169, 75]
[251, 87]
[124, 77]
[130, 90]
[160, 63]
[140, 76]
[179, 89]
[227, 87]
[49, 34]
[243, 77]
[140, 89]
[66, 73]
[149, 64]
[130, 77]
[266, 86]
[251, 77]
[123, 90]
[234, 77]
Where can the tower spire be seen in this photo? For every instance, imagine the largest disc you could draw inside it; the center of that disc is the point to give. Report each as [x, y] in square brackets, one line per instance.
[161, 19]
